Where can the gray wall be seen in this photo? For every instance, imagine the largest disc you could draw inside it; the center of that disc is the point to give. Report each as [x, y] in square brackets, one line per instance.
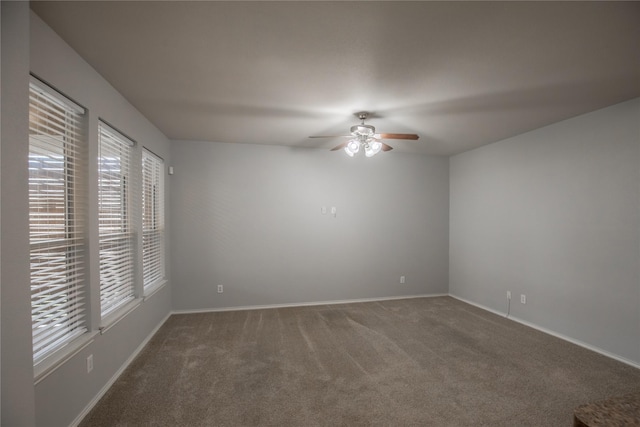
[17, 365]
[554, 214]
[248, 217]
[59, 398]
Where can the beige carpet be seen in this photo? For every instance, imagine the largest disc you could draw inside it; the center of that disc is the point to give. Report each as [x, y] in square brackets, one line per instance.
[412, 362]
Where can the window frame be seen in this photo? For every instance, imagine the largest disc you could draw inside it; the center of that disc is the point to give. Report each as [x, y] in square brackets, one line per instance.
[57, 223]
[117, 236]
[153, 222]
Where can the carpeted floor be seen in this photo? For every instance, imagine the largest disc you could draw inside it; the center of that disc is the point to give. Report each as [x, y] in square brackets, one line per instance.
[423, 361]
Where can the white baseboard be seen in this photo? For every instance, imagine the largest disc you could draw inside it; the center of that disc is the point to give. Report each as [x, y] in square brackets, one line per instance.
[115, 376]
[304, 304]
[553, 333]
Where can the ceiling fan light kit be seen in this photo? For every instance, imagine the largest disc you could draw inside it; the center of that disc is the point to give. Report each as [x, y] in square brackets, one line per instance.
[371, 147]
[365, 137]
[353, 146]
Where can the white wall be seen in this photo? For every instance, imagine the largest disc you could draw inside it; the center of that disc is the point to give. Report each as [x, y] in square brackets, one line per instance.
[59, 398]
[555, 214]
[248, 217]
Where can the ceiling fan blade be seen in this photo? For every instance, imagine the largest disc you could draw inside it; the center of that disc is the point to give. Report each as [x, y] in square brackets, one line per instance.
[331, 136]
[344, 144]
[411, 136]
[386, 147]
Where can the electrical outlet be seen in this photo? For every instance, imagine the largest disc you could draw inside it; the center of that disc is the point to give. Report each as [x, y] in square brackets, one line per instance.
[508, 294]
[220, 289]
[523, 299]
[89, 363]
[402, 279]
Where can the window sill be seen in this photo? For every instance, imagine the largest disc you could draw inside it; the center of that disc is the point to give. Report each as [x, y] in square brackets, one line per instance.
[152, 289]
[49, 365]
[113, 318]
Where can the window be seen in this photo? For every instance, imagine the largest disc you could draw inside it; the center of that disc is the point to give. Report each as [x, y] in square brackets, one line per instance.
[116, 233]
[57, 206]
[152, 220]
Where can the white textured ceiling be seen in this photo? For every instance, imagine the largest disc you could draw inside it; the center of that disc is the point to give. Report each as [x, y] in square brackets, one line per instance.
[459, 74]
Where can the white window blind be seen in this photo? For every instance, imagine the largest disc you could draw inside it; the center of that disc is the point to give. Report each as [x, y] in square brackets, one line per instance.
[152, 219]
[116, 233]
[57, 208]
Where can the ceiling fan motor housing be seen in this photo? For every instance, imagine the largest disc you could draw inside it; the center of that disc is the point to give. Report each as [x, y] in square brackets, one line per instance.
[363, 130]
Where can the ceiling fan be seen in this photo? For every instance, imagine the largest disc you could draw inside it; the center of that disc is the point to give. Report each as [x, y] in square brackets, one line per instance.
[365, 137]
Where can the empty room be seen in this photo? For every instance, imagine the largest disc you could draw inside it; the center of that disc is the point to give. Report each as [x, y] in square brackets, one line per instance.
[310, 213]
